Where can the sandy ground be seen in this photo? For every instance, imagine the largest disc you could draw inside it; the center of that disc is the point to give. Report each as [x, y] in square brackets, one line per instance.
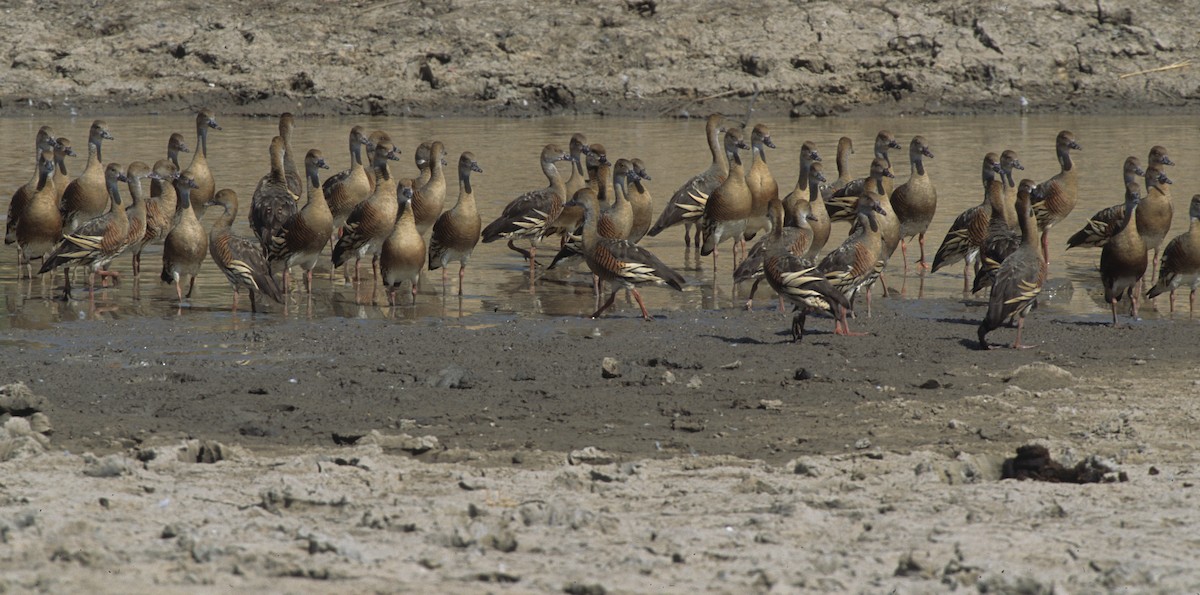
[492, 454]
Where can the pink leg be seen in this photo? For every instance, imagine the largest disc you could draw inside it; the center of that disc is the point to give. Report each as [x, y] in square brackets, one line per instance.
[462, 271]
[612, 297]
[637, 296]
[921, 240]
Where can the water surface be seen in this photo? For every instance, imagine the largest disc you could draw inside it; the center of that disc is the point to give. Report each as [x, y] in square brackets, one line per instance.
[673, 150]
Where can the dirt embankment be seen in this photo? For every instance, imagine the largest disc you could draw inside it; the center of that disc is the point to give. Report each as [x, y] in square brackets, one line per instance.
[476, 57]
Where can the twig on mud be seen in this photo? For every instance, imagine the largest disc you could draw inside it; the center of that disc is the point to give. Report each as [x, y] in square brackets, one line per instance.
[699, 100]
[1182, 64]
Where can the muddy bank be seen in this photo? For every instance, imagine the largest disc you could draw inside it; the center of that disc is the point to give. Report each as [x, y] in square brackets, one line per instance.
[645, 57]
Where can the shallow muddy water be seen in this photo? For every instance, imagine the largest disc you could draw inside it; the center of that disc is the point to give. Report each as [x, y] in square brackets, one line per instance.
[673, 151]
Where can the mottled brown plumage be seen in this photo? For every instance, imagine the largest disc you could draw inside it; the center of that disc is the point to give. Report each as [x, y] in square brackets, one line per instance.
[915, 201]
[136, 211]
[456, 232]
[370, 223]
[687, 203]
[1123, 259]
[795, 278]
[62, 150]
[429, 199]
[96, 242]
[186, 244]
[970, 229]
[1101, 226]
[345, 189]
[240, 259]
[198, 171]
[578, 146]
[842, 205]
[884, 141]
[273, 202]
[1057, 196]
[40, 224]
[403, 252]
[1181, 262]
[845, 148]
[525, 218]
[86, 196]
[175, 146]
[160, 209]
[43, 142]
[728, 208]
[1019, 277]
[762, 184]
[641, 201]
[621, 263]
[302, 236]
[858, 261]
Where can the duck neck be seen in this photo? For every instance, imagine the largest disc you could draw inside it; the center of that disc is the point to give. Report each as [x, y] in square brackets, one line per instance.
[225, 221]
[918, 164]
[93, 155]
[136, 193]
[43, 177]
[114, 192]
[201, 140]
[719, 157]
[464, 183]
[355, 152]
[277, 167]
[1064, 158]
[843, 162]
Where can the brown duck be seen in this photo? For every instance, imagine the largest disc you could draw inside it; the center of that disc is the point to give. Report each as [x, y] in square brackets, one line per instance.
[198, 170]
[86, 197]
[160, 209]
[240, 259]
[300, 239]
[429, 199]
[136, 211]
[970, 229]
[687, 203]
[1019, 277]
[273, 202]
[915, 201]
[641, 201]
[186, 244]
[403, 252]
[796, 278]
[762, 184]
[43, 142]
[370, 223]
[525, 218]
[40, 224]
[1181, 262]
[1123, 258]
[456, 232]
[96, 242]
[1101, 226]
[728, 208]
[1057, 196]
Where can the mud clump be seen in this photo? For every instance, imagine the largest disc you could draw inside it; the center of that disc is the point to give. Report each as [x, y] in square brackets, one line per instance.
[1033, 462]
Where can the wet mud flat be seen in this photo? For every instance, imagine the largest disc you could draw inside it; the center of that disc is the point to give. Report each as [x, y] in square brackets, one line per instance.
[500, 452]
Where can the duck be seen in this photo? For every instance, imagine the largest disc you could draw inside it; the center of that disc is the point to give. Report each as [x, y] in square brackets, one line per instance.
[43, 142]
[1123, 258]
[841, 206]
[687, 203]
[86, 197]
[799, 234]
[160, 209]
[808, 156]
[96, 242]
[728, 208]
[820, 222]
[40, 224]
[1008, 163]
[970, 229]
[1020, 276]
[423, 157]
[62, 150]
[614, 221]
[302, 236]
[345, 189]
[370, 223]
[1181, 262]
[403, 253]
[456, 232]
[175, 146]
[240, 259]
[136, 211]
[858, 261]
[760, 181]
[621, 263]
[1155, 212]
[186, 244]
[273, 201]
[1101, 226]
[915, 201]
[1057, 196]
[599, 169]
[1001, 241]
[429, 199]
[1158, 154]
[525, 217]
[577, 146]
[287, 122]
[845, 148]
[796, 278]
[884, 141]
[641, 201]
[198, 171]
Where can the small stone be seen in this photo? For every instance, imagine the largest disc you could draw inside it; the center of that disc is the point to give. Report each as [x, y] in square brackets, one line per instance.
[733, 365]
[1154, 470]
[38, 422]
[113, 465]
[802, 374]
[405, 442]
[610, 368]
[954, 424]
[694, 382]
[589, 455]
[18, 399]
[582, 589]
[453, 376]
[930, 384]
[170, 532]
[862, 443]
[770, 404]
[687, 425]
[668, 377]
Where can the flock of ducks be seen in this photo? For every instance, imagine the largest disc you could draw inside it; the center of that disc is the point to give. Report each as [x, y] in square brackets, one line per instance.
[597, 215]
